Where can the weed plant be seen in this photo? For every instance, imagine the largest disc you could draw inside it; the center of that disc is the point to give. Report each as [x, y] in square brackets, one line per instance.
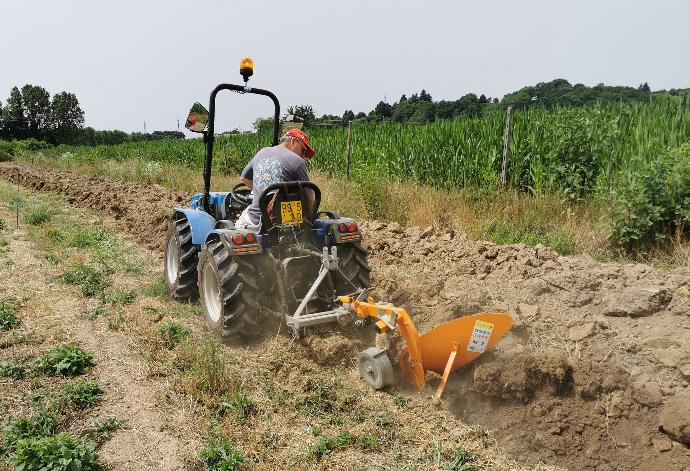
[171, 333]
[12, 369]
[326, 445]
[81, 394]
[219, 454]
[3, 225]
[101, 428]
[39, 216]
[14, 429]
[8, 319]
[241, 406]
[61, 452]
[90, 280]
[66, 360]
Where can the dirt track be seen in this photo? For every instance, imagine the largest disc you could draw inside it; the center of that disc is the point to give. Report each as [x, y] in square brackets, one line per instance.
[593, 376]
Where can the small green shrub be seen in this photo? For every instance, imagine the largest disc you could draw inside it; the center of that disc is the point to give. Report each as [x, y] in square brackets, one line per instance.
[8, 319]
[651, 201]
[95, 313]
[400, 400]
[6, 151]
[219, 454]
[3, 225]
[81, 394]
[91, 281]
[15, 429]
[463, 461]
[120, 297]
[326, 445]
[171, 333]
[87, 237]
[66, 360]
[12, 369]
[52, 259]
[40, 215]
[501, 232]
[238, 404]
[101, 429]
[59, 453]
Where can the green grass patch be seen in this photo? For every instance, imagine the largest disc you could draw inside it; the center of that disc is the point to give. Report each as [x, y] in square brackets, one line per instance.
[120, 297]
[52, 259]
[502, 232]
[66, 360]
[157, 288]
[327, 397]
[81, 394]
[90, 280]
[95, 313]
[57, 453]
[171, 333]
[8, 319]
[39, 216]
[89, 237]
[3, 224]
[463, 461]
[219, 454]
[326, 445]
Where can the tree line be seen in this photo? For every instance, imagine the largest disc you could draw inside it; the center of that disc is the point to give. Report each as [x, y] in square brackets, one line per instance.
[30, 113]
[421, 108]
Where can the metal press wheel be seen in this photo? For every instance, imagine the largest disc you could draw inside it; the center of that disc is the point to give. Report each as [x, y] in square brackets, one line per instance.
[375, 367]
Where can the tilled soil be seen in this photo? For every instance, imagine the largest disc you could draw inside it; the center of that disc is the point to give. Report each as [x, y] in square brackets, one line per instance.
[594, 373]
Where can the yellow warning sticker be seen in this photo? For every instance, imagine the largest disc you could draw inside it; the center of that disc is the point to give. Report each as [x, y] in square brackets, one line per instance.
[480, 336]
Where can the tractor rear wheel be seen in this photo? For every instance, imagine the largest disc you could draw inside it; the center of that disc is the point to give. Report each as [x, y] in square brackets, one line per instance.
[228, 291]
[354, 269]
[180, 260]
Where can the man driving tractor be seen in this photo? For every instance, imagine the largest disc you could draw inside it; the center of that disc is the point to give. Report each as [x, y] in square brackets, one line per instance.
[282, 163]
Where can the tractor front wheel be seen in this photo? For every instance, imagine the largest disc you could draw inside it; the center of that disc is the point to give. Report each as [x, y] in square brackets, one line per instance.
[180, 260]
[228, 291]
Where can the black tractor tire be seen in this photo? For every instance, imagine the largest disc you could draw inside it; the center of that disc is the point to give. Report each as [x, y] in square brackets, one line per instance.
[180, 262]
[354, 269]
[228, 291]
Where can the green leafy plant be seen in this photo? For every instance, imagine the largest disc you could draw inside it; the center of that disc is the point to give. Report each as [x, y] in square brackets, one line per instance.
[14, 429]
[326, 445]
[91, 281]
[81, 394]
[39, 216]
[219, 454]
[8, 318]
[58, 453]
[652, 202]
[463, 461]
[101, 428]
[12, 369]
[120, 297]
[238, 404]
[171, 333]
[3, 225]
[52, 259]
[157, 288]
[66, 360]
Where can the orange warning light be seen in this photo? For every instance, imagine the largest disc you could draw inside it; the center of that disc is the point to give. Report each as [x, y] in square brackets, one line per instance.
[247, 68]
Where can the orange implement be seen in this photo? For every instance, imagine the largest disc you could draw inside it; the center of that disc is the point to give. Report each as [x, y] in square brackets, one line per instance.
[444, 348]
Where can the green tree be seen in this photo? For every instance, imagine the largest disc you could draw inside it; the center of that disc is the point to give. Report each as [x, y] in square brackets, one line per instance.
[14, 108]
[66, 117]
[37, 106]
[306, 112]
[349, 115]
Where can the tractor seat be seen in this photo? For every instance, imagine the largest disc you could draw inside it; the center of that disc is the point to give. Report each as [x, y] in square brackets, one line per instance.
[286, 205]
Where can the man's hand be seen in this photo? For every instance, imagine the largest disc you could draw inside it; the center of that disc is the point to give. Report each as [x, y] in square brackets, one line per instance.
[248, 183]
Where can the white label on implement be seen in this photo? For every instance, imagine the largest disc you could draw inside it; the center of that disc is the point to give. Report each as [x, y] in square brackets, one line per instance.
[480, 336]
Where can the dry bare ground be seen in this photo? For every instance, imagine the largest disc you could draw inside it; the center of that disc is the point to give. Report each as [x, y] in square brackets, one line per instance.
[594, 375]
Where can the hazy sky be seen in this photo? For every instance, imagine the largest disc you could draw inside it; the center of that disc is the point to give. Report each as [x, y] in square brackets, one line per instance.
[134, 61]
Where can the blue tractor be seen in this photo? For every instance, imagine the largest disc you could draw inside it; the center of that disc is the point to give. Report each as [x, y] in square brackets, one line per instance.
[291, 270]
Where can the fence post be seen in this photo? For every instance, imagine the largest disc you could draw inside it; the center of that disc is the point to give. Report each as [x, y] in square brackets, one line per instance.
[348, 150]
[506, 146]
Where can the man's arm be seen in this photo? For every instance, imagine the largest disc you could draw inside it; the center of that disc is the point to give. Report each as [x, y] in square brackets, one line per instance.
[247, 175]
[302, 175]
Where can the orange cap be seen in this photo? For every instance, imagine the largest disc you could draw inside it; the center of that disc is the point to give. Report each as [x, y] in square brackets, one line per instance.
[302, 136]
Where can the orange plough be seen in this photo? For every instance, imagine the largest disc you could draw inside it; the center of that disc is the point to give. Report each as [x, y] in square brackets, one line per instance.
[443, 349]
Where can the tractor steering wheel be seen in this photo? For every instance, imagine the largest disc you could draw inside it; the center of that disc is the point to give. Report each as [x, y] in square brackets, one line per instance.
[241, 194]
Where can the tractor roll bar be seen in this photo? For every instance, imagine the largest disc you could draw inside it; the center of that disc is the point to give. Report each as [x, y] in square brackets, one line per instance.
[209, 134]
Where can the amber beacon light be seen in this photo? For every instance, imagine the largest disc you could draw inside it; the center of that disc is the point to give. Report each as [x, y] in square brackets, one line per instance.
[247, 68]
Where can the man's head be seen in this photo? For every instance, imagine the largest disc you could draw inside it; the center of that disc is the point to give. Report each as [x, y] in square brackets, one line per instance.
[298, 142]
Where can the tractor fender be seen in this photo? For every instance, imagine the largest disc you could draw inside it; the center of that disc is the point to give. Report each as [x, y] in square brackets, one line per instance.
[324, 227]
[246, 248]
[200, 222]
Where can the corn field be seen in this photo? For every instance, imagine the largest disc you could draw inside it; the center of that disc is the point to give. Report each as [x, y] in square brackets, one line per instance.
[576, 151]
